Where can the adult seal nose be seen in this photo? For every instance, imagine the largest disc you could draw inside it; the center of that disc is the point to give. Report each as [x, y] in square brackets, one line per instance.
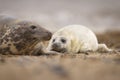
[49, 35]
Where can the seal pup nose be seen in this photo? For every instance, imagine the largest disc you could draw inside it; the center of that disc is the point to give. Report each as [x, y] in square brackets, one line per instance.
[55, 45]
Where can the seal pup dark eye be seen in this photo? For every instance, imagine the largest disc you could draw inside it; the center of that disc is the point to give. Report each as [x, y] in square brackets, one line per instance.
[33, 27]
[53, 40]
[63, 40]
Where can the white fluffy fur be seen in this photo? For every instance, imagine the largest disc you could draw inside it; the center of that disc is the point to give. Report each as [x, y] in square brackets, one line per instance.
[79, 39]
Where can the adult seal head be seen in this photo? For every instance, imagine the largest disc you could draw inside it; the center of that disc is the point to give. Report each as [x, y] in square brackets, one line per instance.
[20, 36]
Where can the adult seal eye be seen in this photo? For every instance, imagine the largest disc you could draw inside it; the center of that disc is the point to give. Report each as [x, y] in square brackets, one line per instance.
[33, 27]
[63, 40]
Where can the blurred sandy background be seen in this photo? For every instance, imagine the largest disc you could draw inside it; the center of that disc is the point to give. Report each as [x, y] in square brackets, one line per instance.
[99, 15]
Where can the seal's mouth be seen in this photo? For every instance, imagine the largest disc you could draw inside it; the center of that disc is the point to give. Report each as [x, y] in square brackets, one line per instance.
[62, 50]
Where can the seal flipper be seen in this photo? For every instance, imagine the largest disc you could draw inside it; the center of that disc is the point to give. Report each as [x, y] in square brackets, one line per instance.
[103, 48]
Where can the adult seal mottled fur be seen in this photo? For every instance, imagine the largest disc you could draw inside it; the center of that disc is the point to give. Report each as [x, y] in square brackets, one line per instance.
[75, 39]
[20, 36]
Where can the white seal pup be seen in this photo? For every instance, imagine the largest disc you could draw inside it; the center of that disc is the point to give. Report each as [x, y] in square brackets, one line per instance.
[75, 39]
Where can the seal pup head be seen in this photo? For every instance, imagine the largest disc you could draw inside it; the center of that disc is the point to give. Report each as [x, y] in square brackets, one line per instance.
[59, 42]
